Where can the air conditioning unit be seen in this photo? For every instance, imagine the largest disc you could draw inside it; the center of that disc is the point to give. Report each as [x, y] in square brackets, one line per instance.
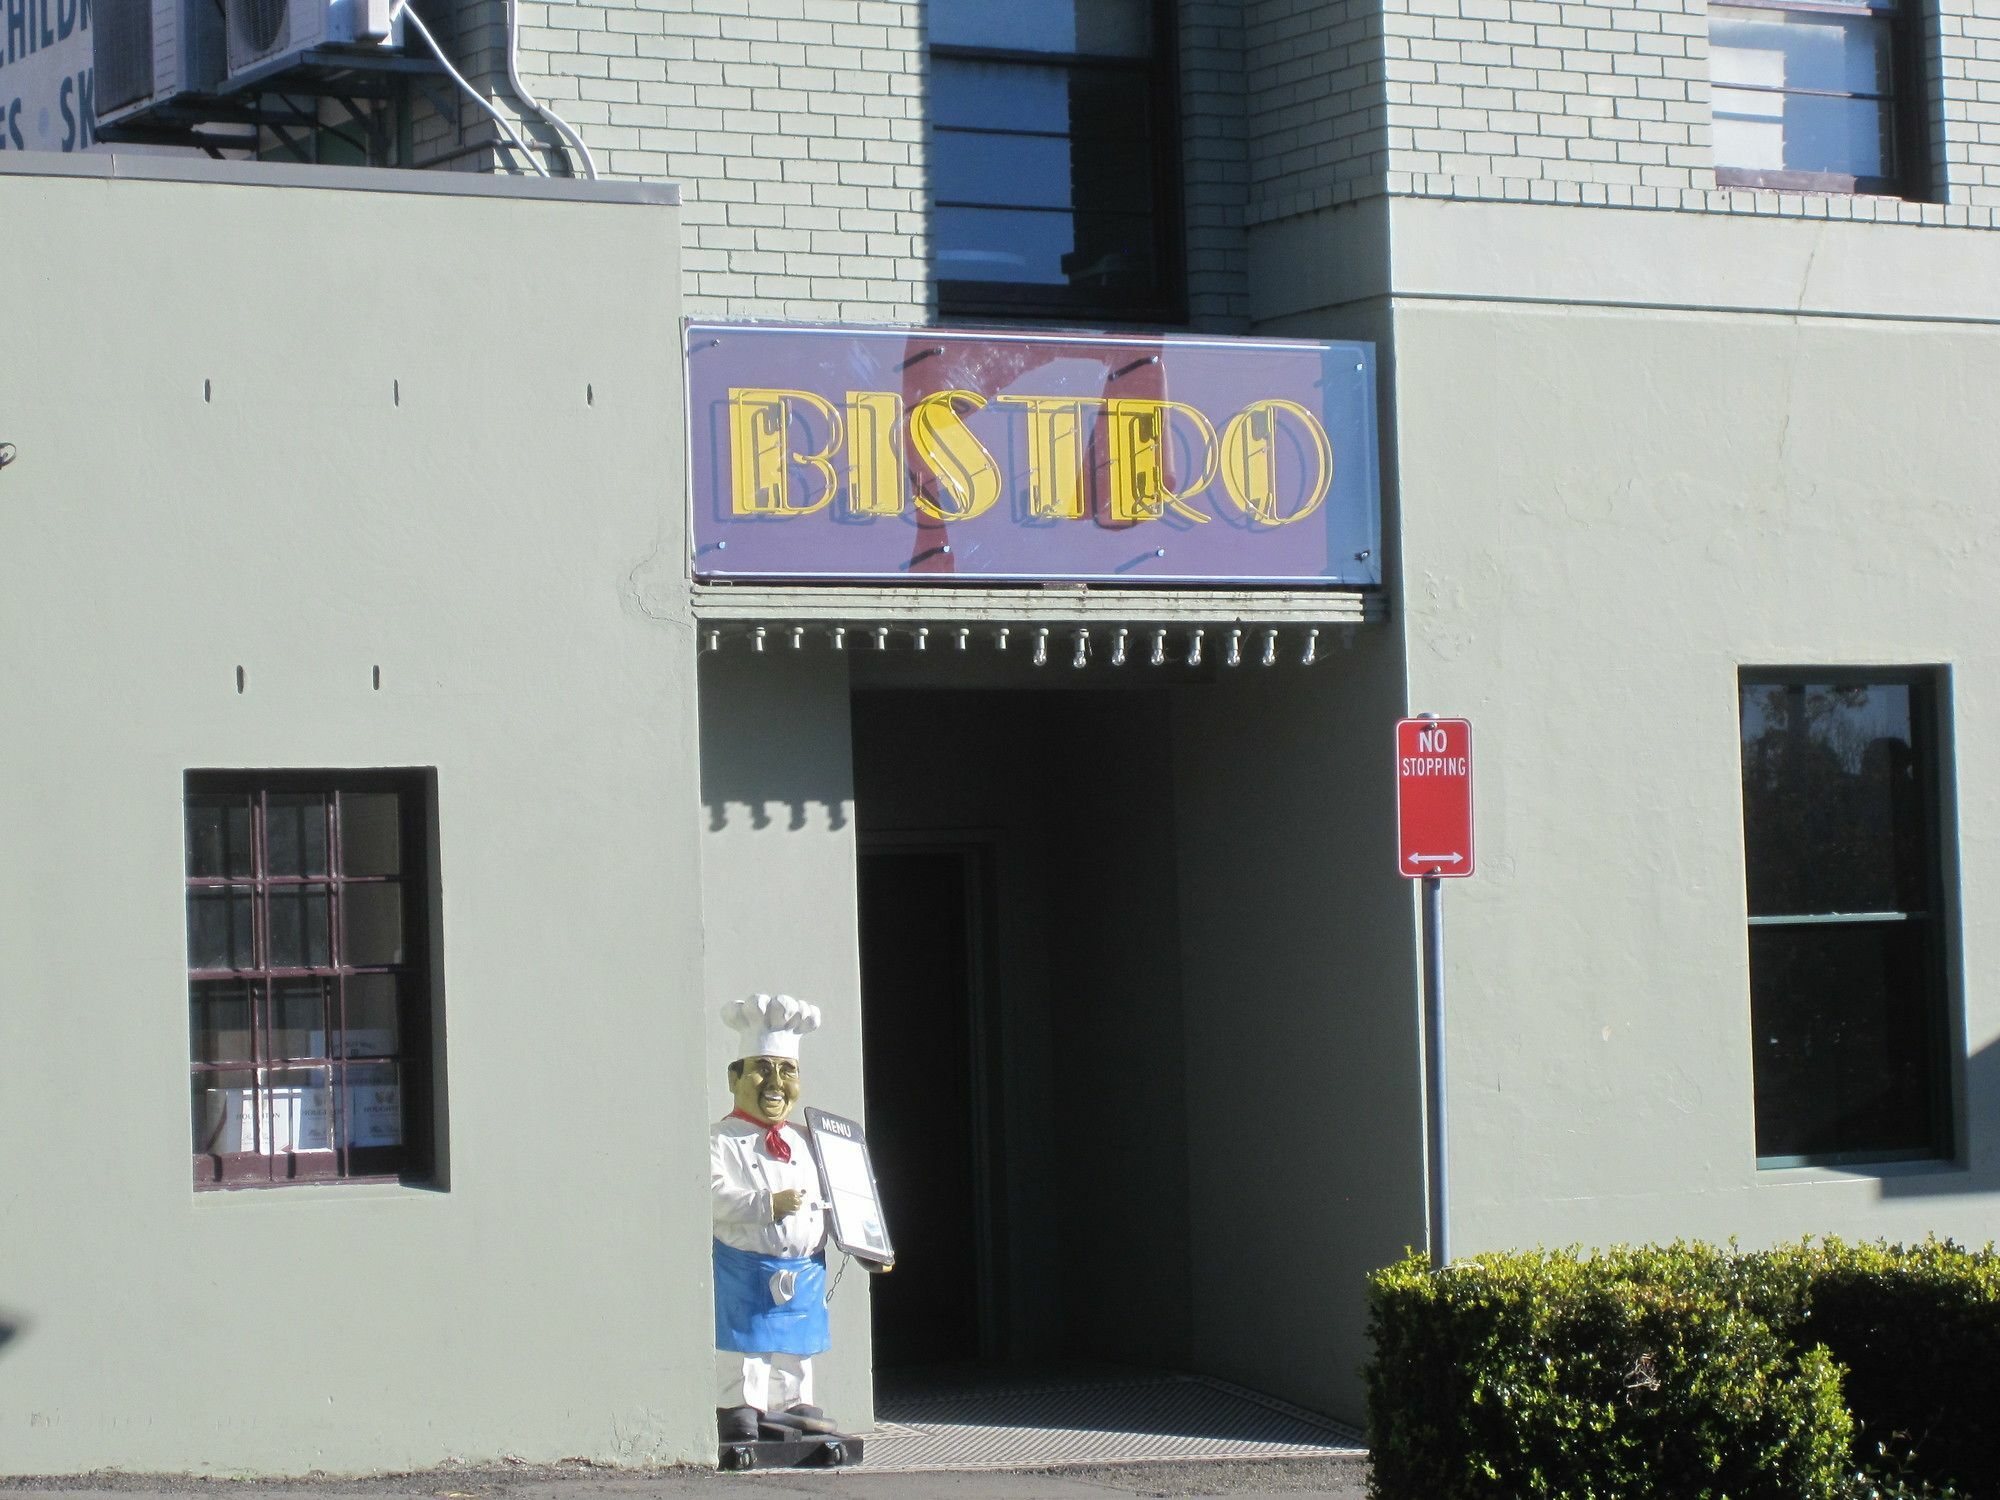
[267, 36]
[147, 52]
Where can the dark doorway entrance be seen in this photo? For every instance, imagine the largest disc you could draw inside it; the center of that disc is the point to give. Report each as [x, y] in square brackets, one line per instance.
[919, 906]
[1020, 987]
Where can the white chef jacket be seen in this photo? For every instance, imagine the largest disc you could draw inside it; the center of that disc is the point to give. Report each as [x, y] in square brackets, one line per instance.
[742, 1178]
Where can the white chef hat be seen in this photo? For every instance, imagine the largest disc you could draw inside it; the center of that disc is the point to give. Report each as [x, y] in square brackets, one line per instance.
[771, 1024]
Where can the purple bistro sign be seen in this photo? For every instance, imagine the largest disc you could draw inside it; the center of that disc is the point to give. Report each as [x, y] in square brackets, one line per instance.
[925, 455]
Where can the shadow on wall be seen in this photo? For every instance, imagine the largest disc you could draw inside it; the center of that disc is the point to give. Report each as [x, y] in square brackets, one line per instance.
[752, 761]
[1980, 1108]
[10, 1327]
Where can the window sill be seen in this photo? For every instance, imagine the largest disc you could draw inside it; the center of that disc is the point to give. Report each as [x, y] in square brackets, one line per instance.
[1803, 1170]
[1833, 184]
[354, 1190]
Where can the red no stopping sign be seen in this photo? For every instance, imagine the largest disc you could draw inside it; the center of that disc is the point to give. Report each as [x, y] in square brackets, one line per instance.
[1433, 797]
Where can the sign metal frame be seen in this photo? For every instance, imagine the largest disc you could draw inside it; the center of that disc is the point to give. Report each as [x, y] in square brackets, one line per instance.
[875, 1250]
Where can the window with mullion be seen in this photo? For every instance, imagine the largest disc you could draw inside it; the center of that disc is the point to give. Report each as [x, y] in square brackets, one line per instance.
[1816, 97]
[305, 977]
[1847, 993]
[1051, 156]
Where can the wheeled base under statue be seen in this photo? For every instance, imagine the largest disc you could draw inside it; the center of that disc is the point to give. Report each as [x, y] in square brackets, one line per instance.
[832, 1450]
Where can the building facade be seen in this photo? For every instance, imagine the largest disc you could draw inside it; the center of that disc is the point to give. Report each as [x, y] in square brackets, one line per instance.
[462, 778]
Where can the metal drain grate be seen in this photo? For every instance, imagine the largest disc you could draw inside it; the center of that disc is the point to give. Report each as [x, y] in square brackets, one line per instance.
[1129, 1420]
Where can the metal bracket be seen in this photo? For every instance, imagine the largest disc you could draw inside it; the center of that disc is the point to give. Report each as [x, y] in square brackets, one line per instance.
[8, 453]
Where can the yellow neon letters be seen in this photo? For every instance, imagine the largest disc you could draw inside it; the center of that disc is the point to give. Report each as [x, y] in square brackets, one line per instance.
[874, 455]
[1273, 458]
[1250, 460]
[1140, 444]
[967, 475]
[761, 455]
[1055, 455]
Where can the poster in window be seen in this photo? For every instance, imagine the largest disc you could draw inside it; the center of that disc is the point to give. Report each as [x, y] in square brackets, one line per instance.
[847, 1178]
[283, 1117]
[374, 1107]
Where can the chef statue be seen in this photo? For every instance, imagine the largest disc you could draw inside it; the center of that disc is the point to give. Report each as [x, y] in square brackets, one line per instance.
[770, 1233]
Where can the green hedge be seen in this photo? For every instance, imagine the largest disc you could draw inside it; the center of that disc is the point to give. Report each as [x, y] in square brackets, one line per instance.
[1819, 1371]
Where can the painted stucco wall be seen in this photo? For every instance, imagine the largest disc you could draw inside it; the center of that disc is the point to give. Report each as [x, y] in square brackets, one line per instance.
[1634, 457]
[778, 901]
[468, 482]
[1298, 947]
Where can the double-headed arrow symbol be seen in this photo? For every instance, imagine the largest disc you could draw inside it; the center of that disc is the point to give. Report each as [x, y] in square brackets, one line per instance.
[1435, 859]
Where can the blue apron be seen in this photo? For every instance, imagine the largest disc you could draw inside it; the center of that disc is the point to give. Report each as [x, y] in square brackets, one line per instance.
[747, 1321]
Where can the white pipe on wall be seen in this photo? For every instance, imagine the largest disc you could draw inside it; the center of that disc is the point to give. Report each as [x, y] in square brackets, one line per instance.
[562, 127]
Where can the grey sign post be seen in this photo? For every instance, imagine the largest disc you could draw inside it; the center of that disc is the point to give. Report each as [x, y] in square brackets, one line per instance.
[1434, 844]
[1440, 1198]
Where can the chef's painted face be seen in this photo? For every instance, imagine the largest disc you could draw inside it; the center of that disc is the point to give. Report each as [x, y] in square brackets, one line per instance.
[765, 1087]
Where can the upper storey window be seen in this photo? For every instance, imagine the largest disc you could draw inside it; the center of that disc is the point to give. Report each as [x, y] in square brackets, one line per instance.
[1814, 96]
[1053, 172]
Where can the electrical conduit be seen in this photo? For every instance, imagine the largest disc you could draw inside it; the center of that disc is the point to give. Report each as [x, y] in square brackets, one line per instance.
[402, 8]
[560, 125]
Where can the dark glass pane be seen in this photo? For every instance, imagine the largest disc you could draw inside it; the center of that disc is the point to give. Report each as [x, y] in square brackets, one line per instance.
[219, 927]
[219, 1021]
[1757, 132]
[975, 244]
[1013, 171]
[222, 1111]
[374, 1020]
[1790, 49]
[1000, 96]
[1110, 108]
[1834, 814]
[298, 1109]
[1845, 1021]
[299, 1009]
[1036, 171]
[373, 917]
[371, 833]
[1109, 253]
[1116, 28]
[374, 1105]
[299, 927]
[295, 833]
[218, 836]
[1114, 256]
[1092, 104]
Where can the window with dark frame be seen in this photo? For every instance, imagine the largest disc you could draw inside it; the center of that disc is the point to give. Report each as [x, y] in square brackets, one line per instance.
[1818, 97]
[1848, 1002]
[1054, 168]
[308, 976]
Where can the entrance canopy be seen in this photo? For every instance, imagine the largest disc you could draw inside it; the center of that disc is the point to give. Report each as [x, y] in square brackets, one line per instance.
[1072, 626]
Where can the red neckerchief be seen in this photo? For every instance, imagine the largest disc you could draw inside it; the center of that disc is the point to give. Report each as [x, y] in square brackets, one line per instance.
[774, 1141]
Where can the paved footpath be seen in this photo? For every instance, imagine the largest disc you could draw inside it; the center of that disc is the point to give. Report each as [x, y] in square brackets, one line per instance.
[1294, 1479]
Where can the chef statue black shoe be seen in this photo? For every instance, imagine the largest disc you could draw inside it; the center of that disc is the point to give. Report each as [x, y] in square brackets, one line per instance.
[770, 1233]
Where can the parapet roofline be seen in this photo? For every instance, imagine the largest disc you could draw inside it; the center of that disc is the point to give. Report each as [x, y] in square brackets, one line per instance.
[201, 169]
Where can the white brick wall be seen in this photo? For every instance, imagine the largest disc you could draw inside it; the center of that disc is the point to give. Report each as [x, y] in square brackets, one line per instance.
[794, 127]
[1549, 92]
[1316, 89]
[1214, 149]
[1543, 100]
[1965, 125]
[796, 130]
